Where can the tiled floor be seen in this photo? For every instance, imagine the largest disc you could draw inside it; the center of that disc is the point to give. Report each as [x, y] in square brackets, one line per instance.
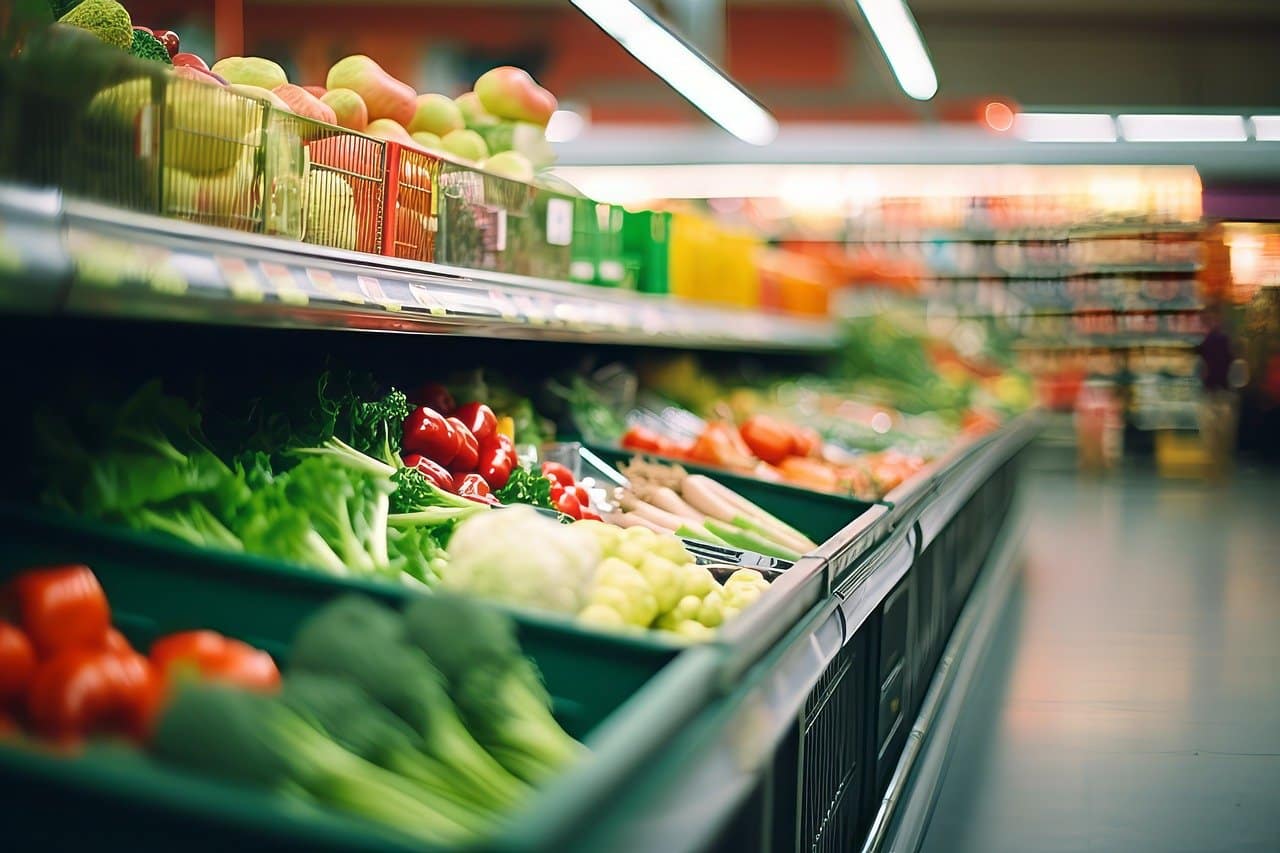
[1131, 698]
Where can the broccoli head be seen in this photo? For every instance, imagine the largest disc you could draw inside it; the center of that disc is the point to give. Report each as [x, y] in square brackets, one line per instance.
[147, 46]
[106, 19]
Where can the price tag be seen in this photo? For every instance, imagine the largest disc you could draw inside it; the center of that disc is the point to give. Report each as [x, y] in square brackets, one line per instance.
[241, 281]
[284, 284]
[428, 300]
[505, 307]
[372, 289]
[500, 228]
[324, 282]
[559, 221]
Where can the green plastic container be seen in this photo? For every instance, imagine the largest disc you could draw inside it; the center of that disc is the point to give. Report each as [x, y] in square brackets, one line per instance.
[610, 269]
[646, 238]
[817, 515]
[624, 696]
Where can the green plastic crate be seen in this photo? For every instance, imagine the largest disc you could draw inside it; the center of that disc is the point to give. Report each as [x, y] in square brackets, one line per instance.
[646, 244]
[817, 515]
[624, 696]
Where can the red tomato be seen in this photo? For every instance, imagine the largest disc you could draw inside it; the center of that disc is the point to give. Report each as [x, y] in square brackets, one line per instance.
[583, 496]
[17, 662]
[556, 491]
[568, 504]
[468, 455]
[433, 471]
[84, 691]
[589, 514]
[210, 655]
[479, 418]
[61, 607]
[770, 439]
[642, 438]
[808, 442]
[114, 641]
[559, 473]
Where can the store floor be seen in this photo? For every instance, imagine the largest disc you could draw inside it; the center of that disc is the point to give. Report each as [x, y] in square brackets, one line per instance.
[1130, 700]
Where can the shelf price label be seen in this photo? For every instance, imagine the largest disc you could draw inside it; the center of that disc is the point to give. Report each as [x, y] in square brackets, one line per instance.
[241, 281]
[325, 282]
[372, 289]
[427, 299]
[284, 284]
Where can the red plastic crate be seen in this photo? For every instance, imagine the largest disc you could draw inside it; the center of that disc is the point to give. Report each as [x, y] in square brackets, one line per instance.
[342, 159]
[410, 215]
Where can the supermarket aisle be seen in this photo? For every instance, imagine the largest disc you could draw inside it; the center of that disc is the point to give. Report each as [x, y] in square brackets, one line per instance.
[1131, 698]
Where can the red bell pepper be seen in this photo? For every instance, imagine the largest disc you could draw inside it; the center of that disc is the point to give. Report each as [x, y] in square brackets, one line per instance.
[428, 432]
[61, 607]
[497, 458]
[567, 504]
[433, 471]
[721, 445]
[479, 418]
[468, 455]
[475, 488]
[433, 395]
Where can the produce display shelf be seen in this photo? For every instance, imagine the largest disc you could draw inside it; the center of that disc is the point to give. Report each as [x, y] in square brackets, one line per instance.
[789, 758]
[63, 256]
[1024, 235]
[1065, 271]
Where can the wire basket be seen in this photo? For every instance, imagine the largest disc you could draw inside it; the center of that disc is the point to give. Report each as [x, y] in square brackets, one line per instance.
[485, 220]
[325, 184]
[410, 212]
[98, 124]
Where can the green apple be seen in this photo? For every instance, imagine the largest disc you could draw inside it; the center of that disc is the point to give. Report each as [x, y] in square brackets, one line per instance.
[426, 140]
[466, 144]
[509, 164]
[436, 114]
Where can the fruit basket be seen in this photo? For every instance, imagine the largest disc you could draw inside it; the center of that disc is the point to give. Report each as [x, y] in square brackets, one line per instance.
[331, 192]
[484, 220]
[411, 215]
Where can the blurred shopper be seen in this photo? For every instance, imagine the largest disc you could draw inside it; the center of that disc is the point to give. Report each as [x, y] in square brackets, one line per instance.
[1218, 402]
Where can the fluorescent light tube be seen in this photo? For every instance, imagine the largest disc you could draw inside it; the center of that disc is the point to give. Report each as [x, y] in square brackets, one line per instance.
[1183, 128]
[1065, 127]
[1266, 128]
[704, 85]
[895, 29]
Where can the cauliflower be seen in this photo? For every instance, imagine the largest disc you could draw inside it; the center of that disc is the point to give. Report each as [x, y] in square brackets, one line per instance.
[517, 556]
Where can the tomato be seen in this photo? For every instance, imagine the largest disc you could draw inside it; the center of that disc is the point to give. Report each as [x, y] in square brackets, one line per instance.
[583, 496]
[479, 418]
[210, 655]
[567, 504]
[589, 514]
[61, 607]
[770, 439]
[434, 396]
[560, 473]
[428, 432]
[468, 455]
[433, 471]
[642, 438]
[17, 662]
[114, 641]
[556, 491]
[84, 691]
[808, 441]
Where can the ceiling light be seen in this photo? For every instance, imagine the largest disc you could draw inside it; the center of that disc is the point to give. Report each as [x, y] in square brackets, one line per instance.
[1183, 128]
[1065, 127]
[899, 38]
[1266, 128]
[704, 85]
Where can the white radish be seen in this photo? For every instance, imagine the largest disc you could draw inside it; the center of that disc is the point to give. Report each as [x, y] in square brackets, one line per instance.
[658, 516]
[666, 499]
[628, 519]
[702, 494]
